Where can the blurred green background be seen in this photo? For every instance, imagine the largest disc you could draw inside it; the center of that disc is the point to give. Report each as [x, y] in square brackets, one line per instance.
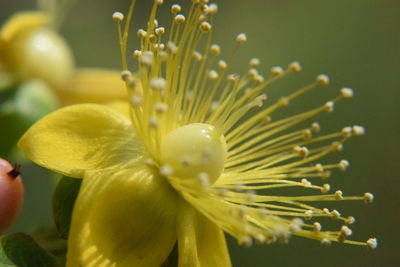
[356, 42]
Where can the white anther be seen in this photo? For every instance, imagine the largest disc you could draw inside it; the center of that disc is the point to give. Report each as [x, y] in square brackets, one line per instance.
[307, 135]
[215, 49]
[222, 64]
[241, 38]
[339, 195]
[197, 56]
[305, 182]
[368, 198]
[161, 107]
[347, 132]
[358, 130]
[213, 106]
[152, 38]
[202, 18]
[326, 175]
[259, 100]
[346, 231]
[315, 127]
[166, 170]
[326, 211]
[222, 192]
[149, 162]
[329, 106]
[203, 179]
[189, 95]
[252, 73]
[295, 67]
[179, 18]
[343, 165]
[266, 119]
[308, 214]
[325, 242]
[153, 122]
[260, 238]
[372, 243]
[136, 100]
[317, 227]
[212, 9]
[245, 241]
[335, 214]
[232, 78]
[159, 47]
[276, 71]
[160, 30]
[205, 26]
[350, 220]
[283, 102]
[251, 195]
[337, 146]
[281, 234]
[137, 53]
[126, 75]
[175, 8]
[319, 167]
[158, 83]
[322, 79]
[254, 62]
[213, 75]
[301, 151]
[259, 79]
[118, 16]
[172, 47]
[141, 33]
[296, 225]
[346, 92]
[147, 58]
[159, 2]
[163, 55]
[325, 188]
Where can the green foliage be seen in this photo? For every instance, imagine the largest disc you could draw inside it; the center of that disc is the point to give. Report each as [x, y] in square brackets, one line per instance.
[20, 107]
[21, 250]
[64, 198]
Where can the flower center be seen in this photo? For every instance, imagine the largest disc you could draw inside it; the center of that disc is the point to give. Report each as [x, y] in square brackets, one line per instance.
[194, 150]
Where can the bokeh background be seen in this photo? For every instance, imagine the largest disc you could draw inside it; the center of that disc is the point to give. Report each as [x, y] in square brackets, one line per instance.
[356, 42]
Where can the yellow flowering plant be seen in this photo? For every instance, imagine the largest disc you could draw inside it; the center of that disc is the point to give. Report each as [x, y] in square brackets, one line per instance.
[38, 74]
[195, 155]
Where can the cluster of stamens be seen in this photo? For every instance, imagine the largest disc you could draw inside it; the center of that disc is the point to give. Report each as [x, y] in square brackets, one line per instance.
[183, 82]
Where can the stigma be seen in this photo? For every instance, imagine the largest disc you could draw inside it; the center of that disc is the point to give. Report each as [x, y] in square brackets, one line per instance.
[196, 150]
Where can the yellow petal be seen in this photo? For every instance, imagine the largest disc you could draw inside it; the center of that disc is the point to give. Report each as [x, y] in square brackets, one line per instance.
[125, 217]
[201, 243]
[81, 137]
[93, 86]
[20, 22]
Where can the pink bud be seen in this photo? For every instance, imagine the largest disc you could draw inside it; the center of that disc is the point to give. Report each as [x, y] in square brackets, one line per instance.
[11, 194]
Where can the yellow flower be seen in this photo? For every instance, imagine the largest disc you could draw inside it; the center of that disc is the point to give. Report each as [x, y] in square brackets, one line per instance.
[198, 156]
[30, 48]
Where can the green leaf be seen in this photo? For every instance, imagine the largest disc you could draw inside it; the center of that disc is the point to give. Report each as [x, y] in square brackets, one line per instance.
[21, 250]
[20, 106]
[64, 198]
